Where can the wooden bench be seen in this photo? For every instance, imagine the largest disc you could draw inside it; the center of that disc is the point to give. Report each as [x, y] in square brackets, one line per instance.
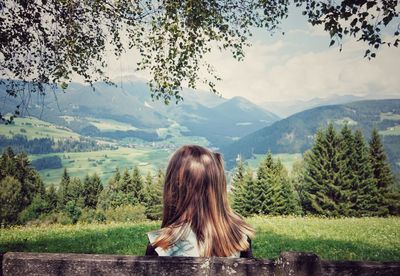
[289, 263]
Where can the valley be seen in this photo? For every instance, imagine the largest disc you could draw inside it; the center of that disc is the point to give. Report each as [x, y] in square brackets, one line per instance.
[108, 128]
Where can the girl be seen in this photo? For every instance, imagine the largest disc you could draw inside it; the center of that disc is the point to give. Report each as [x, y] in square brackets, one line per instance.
[197, 219]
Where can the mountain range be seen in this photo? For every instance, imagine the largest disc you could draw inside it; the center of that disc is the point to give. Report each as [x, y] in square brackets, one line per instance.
[203, 114]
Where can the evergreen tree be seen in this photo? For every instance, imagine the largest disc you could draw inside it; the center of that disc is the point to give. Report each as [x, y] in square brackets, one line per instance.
[284, 199]
[297, 175]
[28, 178]
[7, 163]
[237, 186]
[153, 195]
[92, 188]
[382, 174]
[347, 166]
[247, 205]
[75, 190]
[111, 196]
[137, 183]
[264, 186]
[126, 183]
[365, 197]
[19, 168]
[63, 189]
[10, 197]
[323, 182]
[51, 198]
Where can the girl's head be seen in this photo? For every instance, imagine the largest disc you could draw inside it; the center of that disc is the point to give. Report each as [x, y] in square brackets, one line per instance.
[195, 195]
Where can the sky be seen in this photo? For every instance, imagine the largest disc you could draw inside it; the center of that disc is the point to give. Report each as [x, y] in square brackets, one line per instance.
[298, 65]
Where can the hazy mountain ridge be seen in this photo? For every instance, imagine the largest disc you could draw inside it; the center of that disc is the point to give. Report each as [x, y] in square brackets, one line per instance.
[200, 114]
[295, 134]
[287, 108]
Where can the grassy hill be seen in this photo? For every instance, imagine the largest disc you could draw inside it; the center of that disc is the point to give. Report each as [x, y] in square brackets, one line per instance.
[364, 239]
[295, 134]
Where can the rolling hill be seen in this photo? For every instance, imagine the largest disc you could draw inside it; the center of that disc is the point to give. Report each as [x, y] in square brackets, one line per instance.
[295, 134]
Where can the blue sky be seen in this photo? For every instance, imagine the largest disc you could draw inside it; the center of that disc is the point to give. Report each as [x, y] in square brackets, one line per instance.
[299, 65]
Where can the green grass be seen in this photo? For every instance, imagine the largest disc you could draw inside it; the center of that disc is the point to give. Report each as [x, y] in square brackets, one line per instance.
[104, 162]
[390, 116]
[346, 120]
[36, 128]
[109, 125]
[366, 239]
[287, 159]
[391, 131]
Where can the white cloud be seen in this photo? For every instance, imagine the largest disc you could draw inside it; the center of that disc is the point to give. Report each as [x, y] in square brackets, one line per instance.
[294, 67]
[273, 73]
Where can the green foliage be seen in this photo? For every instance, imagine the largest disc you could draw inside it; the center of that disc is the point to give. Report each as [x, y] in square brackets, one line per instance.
[137, 185]
[364, 192]
[63, 188]
[271, 193]
[343, 177]
[38, 207]
[324, 192]
[10, 198]
[126, 213]
[51, 197]
[237, 187]
[122, 190]
[92, 188]
[19, 185]
[382, 174]
[73, 210]
[90, 215]
[153, 191]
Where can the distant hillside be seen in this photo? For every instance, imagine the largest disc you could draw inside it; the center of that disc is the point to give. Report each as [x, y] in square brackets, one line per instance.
[226, 122]
[295, 134]
[131, 110]
[287, 108]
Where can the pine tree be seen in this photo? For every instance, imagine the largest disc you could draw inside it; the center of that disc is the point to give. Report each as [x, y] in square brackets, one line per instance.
[28, 178]
[237, 186]
[75, 191]
[264, 186]
[346, 171]
[323, 183]
[7, 163]
[63, 189]
[383, 177]
[284, 199]
[125, 183]
[51, 198]
[365, 197]
[153, 195]
[137, 185]
[111, 196]
[10, 197]
[247, 206]
[92, 188]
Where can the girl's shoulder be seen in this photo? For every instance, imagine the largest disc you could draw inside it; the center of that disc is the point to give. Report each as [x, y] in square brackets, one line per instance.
[187, 246]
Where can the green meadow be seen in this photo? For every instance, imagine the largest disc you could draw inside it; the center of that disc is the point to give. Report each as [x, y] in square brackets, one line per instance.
[104, 162]
[35, 128]
[366, 239]
[287, 159]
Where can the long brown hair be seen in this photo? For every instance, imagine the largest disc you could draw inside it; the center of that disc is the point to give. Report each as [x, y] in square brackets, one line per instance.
[195, 195]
